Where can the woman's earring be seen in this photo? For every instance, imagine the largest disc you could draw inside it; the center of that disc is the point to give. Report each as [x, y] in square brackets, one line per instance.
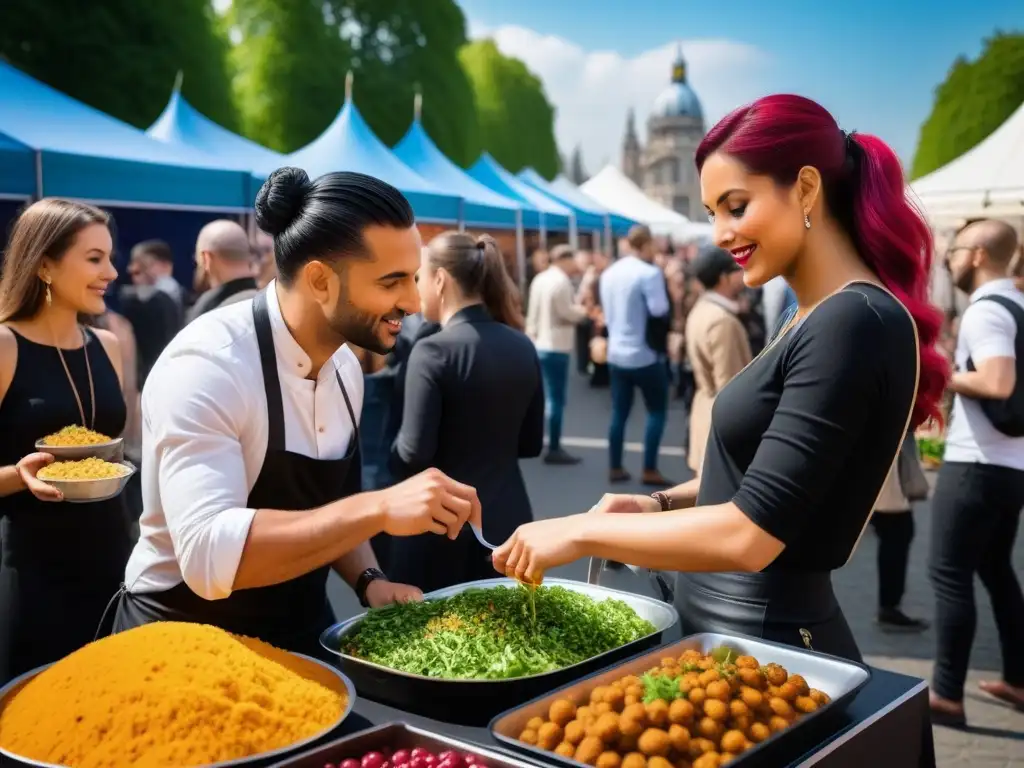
[49, 295]
[807, 221]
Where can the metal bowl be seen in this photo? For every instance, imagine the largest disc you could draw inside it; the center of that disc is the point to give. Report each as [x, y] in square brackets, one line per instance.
[263, 758]
[112, 450]
[475, 702]
[86, 491]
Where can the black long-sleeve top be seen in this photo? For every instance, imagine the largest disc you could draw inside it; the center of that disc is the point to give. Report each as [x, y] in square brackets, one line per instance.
[803, 438]
[474, 406]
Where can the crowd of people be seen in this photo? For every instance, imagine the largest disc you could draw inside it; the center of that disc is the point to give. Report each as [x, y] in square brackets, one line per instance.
[802, 344]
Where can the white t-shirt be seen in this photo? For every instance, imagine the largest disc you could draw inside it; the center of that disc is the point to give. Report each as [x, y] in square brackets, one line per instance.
[986, 330]
[204, 437]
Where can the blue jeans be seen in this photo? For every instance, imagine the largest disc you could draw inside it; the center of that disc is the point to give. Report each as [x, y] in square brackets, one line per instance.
[555, 368]
[652, 381]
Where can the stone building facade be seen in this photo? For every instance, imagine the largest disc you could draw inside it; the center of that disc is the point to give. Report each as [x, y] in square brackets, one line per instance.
[663, 167]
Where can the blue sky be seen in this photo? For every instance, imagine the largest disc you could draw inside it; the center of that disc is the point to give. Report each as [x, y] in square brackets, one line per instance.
[875, 64]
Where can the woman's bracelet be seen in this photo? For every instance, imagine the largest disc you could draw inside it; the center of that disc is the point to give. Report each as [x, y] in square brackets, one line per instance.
[663, 500]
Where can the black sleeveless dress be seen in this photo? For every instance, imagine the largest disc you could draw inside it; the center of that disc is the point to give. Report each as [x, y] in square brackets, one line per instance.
[61, 562]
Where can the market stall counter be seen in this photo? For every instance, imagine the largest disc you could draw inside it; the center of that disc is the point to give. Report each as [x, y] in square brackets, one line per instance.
[886, 725]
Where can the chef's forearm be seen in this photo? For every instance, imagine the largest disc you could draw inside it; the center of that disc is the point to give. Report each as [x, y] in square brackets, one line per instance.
[10, 481]
[351, 565]
[284, 545]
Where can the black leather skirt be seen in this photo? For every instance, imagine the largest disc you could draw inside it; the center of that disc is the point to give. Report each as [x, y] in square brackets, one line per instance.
[794, 608]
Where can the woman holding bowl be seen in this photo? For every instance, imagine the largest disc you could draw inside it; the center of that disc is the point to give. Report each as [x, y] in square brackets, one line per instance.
[60, 562]
[803, 438]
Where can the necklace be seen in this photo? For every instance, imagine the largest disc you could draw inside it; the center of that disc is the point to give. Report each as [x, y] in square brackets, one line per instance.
[71, 381]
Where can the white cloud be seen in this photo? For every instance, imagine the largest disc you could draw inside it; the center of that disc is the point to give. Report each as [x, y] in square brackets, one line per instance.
[592, 91]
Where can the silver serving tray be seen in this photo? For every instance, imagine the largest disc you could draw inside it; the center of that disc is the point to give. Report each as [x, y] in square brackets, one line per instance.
[88, 491]
[397, 736]
[112, 450]
[661, 615]
[839, 678]
[11, 688]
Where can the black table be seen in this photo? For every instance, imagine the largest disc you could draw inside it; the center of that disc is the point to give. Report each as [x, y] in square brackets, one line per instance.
[886, 725]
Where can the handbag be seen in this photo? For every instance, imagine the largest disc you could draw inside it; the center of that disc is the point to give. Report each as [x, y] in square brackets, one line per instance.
[908, 464]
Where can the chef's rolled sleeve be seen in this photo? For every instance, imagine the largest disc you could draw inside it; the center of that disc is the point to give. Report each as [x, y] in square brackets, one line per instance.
[197, 427]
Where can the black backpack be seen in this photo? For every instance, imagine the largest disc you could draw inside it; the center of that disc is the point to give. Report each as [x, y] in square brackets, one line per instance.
[1007, 416]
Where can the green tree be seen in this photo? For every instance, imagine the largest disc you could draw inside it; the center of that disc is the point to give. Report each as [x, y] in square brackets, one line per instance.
[121, 56]
[398, 46]
[973, 101]
[517, 123]
[290, 67]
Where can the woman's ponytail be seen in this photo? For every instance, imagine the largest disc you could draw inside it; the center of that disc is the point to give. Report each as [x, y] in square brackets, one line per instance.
[896, 242]
[499, 293]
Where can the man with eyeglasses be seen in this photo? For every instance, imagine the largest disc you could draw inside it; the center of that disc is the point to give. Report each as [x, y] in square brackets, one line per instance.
[980, 488]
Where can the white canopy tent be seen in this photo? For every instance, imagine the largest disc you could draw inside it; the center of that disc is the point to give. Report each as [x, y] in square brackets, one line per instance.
[987, 180]
[617, 192]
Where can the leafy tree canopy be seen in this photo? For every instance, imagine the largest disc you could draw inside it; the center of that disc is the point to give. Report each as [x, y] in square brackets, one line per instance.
[516, 119]
[121, 56]
[973, 101]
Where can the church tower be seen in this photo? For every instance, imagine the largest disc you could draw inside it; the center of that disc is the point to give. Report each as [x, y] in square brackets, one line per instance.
[631, 150]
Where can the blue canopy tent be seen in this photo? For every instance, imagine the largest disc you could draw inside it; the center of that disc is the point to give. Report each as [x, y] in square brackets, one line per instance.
[481, 206]
[590, 214]
[155, 190]
[82, 153]
[182, 124]
[348, 144]
[545, 215]
[17, 169]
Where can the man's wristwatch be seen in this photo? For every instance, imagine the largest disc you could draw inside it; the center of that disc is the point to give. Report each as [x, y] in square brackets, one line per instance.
[367, 576]
[663, 500]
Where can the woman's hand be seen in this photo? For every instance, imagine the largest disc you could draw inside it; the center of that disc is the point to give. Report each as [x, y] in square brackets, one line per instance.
[28, 467]
[626, 503]
[537, 547]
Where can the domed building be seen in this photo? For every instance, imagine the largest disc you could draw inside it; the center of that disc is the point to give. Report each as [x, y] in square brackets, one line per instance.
[663, 167]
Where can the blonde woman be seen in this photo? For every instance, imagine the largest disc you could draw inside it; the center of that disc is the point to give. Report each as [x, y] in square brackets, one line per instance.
[61, 562]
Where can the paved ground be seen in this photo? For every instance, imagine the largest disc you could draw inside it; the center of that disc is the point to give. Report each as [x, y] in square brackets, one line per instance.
[996, 738]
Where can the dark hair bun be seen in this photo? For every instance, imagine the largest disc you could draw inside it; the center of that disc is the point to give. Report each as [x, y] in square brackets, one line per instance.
[281, 199]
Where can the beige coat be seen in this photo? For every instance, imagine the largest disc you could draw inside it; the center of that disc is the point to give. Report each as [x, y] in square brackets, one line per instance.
[551, 313]
[718, 348]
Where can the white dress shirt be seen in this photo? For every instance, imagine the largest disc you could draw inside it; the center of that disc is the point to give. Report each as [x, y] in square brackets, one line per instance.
[986, 330]
[204, 438]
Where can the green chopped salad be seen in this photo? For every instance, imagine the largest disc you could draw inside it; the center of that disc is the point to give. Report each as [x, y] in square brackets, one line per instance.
[491, 634]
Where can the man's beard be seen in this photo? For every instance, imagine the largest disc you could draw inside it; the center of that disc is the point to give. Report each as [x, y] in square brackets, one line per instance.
[358, 327]
[965, 281]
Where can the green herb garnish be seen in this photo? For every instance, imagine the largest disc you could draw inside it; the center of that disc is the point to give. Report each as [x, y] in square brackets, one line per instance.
[495, 633]
[661, 687]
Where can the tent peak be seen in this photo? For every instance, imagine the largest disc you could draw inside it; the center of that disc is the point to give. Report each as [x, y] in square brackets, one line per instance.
[349, 79]
[417, 106]
[178, 80]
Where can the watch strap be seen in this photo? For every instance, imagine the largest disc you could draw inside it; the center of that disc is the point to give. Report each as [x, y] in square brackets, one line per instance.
[364, 580]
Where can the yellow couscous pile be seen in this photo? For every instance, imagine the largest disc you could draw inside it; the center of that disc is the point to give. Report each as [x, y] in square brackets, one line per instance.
[74, 436]
[83, 469]
[166, 694]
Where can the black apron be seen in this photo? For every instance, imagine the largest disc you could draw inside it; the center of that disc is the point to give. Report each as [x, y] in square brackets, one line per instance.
[290, 615]
[791, 607]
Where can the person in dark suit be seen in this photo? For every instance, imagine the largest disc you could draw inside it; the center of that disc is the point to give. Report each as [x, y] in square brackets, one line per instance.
[473, 405]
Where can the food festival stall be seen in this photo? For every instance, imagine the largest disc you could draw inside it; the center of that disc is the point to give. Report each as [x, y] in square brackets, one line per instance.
[565, 675]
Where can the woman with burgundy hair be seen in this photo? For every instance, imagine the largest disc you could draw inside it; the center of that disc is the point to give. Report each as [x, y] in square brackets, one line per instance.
[803, 438]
